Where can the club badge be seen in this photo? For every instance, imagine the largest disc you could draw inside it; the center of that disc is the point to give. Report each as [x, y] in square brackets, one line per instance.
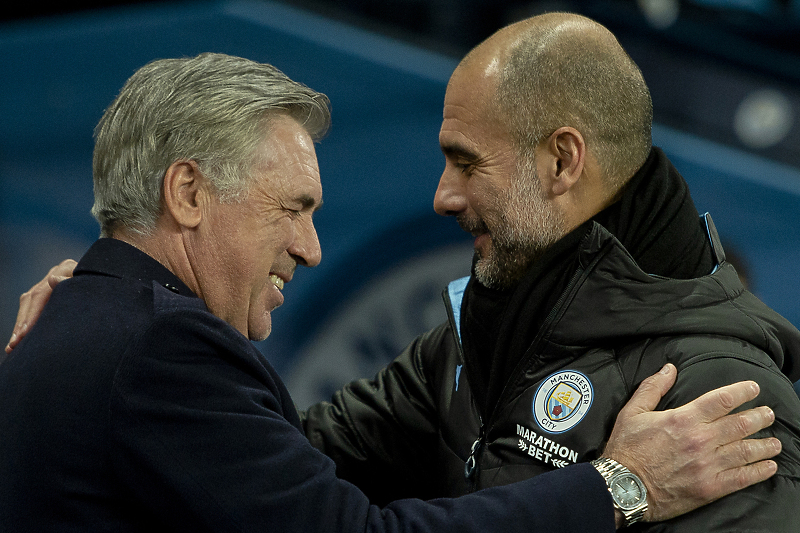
[562, 400]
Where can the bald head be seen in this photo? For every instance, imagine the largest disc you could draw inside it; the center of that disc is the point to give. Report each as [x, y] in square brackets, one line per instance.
[561, 69]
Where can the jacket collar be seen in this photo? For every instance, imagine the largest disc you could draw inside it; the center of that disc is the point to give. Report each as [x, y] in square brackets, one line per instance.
[456, 288]
[113, 257]
[656, 221]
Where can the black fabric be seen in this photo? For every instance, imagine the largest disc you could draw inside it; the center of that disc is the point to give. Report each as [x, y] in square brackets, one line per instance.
[499, 326]
[654, 219]
[109, 257]
[413, 427]
[657, 222]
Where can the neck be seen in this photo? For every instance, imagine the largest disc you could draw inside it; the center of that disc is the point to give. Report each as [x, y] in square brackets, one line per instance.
[167, 248]
[590, 195]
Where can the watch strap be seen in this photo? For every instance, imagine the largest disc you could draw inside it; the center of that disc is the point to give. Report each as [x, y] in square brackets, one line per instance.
[610, 469]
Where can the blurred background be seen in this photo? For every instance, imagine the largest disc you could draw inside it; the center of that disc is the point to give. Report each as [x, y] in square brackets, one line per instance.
[724, 75]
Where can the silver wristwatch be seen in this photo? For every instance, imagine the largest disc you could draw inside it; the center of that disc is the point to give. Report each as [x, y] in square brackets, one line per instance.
[627, 490]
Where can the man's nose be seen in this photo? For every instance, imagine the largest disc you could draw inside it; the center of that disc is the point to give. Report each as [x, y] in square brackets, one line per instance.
[450, 198]
[306, 248]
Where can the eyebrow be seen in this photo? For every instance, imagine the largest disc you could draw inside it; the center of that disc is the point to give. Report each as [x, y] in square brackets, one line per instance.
[456, 149]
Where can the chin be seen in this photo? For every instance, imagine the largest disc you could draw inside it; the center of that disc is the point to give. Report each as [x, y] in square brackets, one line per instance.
[259, 332]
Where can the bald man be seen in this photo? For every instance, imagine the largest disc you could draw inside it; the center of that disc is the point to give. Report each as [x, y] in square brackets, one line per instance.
[592, 269]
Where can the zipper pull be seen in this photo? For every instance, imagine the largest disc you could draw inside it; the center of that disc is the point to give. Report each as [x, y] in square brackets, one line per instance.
[471, 465]
[472, 461]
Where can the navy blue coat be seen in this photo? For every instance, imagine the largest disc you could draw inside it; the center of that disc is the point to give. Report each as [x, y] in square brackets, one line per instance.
[130, 407]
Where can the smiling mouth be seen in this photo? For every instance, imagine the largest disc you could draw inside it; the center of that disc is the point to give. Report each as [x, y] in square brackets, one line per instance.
[474, 226]
[277, 281]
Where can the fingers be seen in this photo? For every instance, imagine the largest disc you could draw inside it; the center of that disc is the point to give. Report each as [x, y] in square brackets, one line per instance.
[650, 391]
[746, 452]
[21, 325]
[743, 463]
[719, 402]
[694, 454]
[32, 302]
[60, 272]
[29, 310]
[16, 336]
[740, 425]
[729, 481]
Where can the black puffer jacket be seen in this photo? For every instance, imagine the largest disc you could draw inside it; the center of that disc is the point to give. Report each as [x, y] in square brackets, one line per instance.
[415, 429]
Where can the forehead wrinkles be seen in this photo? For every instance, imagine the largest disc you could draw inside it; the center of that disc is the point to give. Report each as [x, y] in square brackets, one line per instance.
[479, 139]
[457, 137]
[469, 106]
[287, 148]
[287, 170]
[464, 129]
[295, 163]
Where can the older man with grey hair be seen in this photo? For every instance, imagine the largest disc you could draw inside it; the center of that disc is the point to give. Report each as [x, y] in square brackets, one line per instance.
[138, 403]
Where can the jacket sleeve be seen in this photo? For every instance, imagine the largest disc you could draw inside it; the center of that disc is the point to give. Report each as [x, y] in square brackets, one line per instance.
[770, 506]
[382, 433]
[202, 434]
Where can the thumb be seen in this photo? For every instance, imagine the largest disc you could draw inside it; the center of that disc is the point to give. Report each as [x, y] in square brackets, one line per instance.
[54, 280]
[651, 390]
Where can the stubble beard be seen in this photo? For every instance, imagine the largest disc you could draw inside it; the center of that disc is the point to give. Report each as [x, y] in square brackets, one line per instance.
[527, 224]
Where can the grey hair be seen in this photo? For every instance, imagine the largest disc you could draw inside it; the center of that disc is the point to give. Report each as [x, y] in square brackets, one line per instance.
[213, 109]
[573, 72]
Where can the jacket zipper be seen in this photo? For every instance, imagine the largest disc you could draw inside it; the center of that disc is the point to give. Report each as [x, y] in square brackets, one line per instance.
[523, 365]
[568, 292]
[471, 467]
[471, 464]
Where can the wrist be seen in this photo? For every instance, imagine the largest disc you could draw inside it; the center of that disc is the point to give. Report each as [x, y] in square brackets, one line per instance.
[619, 519]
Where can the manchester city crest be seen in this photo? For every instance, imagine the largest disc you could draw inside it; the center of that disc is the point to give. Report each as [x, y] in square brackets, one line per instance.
[562, 400]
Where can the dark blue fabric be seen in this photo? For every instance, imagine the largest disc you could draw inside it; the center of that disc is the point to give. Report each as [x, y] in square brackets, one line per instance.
[130, 407]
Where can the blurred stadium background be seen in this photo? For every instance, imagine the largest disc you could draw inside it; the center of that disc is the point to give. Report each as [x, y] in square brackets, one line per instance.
[724, 74]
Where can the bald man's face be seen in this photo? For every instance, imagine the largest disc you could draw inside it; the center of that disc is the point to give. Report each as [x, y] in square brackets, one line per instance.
[494, 196]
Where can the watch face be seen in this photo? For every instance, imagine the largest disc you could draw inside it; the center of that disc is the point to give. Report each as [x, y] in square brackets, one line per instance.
[626, 491]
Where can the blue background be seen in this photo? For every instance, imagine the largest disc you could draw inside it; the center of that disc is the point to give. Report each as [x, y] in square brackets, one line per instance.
[380, 165]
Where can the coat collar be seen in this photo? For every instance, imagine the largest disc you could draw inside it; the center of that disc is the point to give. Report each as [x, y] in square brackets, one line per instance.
[113, 257]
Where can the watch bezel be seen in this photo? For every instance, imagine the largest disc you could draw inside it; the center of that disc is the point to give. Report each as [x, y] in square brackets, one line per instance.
[614, 482]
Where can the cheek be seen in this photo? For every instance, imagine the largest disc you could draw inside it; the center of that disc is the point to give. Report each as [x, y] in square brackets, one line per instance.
[487, 210]
[484, 198]
[274, 239]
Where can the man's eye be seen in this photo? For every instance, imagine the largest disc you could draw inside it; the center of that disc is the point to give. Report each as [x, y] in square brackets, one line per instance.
[464, 168]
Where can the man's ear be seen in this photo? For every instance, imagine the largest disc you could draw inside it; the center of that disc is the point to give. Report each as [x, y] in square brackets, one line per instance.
[567, 150]
[185, 192]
